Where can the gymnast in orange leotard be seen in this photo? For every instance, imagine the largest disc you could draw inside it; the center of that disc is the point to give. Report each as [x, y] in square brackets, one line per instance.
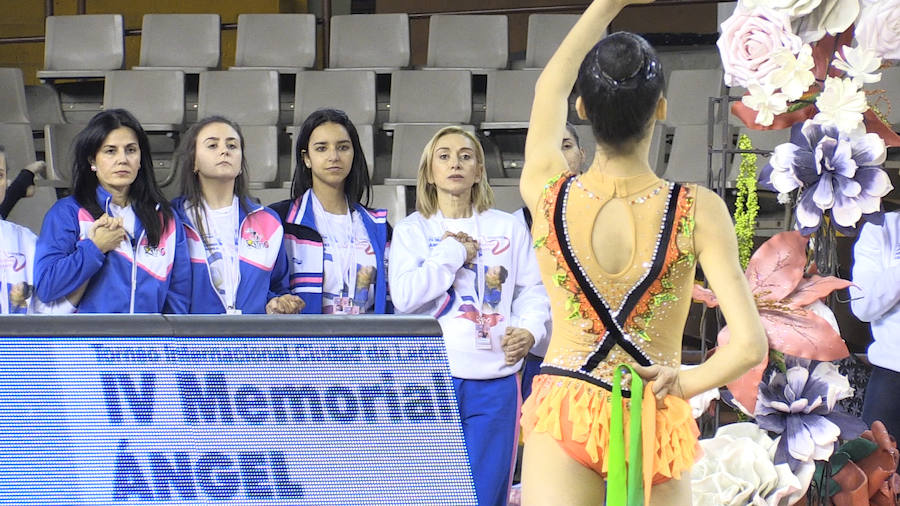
[617, 247]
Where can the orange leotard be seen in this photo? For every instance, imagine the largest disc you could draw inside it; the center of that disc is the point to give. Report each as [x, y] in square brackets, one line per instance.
[602, 319]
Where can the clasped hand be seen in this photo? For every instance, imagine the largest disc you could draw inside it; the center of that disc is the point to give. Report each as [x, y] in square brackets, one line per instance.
[516, 343]
[107, 233]
[467, 241]
[285, 304]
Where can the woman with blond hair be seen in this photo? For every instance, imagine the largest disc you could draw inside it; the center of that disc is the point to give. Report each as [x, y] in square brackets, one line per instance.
[441, 260]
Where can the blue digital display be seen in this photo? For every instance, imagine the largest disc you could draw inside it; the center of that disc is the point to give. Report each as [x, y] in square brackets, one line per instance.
[233, 420]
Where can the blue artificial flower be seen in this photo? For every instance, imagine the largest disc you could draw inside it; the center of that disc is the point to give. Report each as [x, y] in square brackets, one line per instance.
[834, 171]
[800, 405]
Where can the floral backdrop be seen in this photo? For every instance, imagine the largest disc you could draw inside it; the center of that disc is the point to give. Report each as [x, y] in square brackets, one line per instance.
[812, 68]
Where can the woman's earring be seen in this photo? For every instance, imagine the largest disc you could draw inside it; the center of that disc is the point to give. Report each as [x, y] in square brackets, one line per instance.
[93, 168]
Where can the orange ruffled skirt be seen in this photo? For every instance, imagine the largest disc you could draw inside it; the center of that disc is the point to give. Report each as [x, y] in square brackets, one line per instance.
[576, 413]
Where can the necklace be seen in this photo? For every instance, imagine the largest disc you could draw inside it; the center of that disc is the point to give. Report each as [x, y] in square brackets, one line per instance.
[637, 200]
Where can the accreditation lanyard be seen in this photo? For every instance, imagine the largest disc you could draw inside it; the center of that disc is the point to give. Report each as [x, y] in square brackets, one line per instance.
[344, 257]
[482, 328]
[231, 269]
[5, 263]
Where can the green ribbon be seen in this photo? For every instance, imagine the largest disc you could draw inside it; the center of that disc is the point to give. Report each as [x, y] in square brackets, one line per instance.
[625, 483]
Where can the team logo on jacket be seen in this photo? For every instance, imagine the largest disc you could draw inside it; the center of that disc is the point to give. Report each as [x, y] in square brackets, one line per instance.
[154, 252]
[254, 240]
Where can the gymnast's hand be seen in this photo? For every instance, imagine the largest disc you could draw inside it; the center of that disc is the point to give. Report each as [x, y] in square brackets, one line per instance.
[515, 343]
[665, 381]
[285, 304]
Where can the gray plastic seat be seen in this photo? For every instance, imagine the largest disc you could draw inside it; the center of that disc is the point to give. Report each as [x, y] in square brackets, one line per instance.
[282, 42]
[248, 98]
[439, 96]
[366, 140]
[545, 32]
[688, 158]
[378, 42]
[657, 146]
[507, 198]
[468, 41]
[390, 197]
[352, 91]
[261, 152]
[58, 150]
[688, 93]
[13, 105]
[763, 140]
[409, 142]
[19, 144]
[82, 46]
[187, 42]
[268, 196]
[510, 94]
[155, 97]
[29, 212]
[44, 106]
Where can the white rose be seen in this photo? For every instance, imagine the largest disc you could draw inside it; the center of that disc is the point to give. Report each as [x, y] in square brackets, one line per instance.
[793, 8]
[878, 28]
[830, 16]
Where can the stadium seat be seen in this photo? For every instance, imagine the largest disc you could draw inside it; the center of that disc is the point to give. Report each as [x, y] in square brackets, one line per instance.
[392, 198]
[261, 152]
[761, 139]
[657, 146]
[250, 99]
[378, 42]
[468, 41]
[545, 32]
[82, 46]
[409, 142]
[366, 139]
[155, 97]
[186, 42]
[688, 93]
[269, 196]
[282, 42]
[507, 198]
[350, 91]
[688, 158]
[13, 105]
[247, 98]
[510, 94]
[44, 106]
[19, 144]
[29, 212]
[58, 150]
[439, 96]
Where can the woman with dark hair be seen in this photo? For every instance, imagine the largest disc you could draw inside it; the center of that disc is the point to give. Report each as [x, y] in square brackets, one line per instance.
[116, 207]
[337, 245]
[617, 249]
[237, 255]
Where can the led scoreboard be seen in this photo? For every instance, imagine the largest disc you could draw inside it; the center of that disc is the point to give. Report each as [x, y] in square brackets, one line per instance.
[254, 409]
